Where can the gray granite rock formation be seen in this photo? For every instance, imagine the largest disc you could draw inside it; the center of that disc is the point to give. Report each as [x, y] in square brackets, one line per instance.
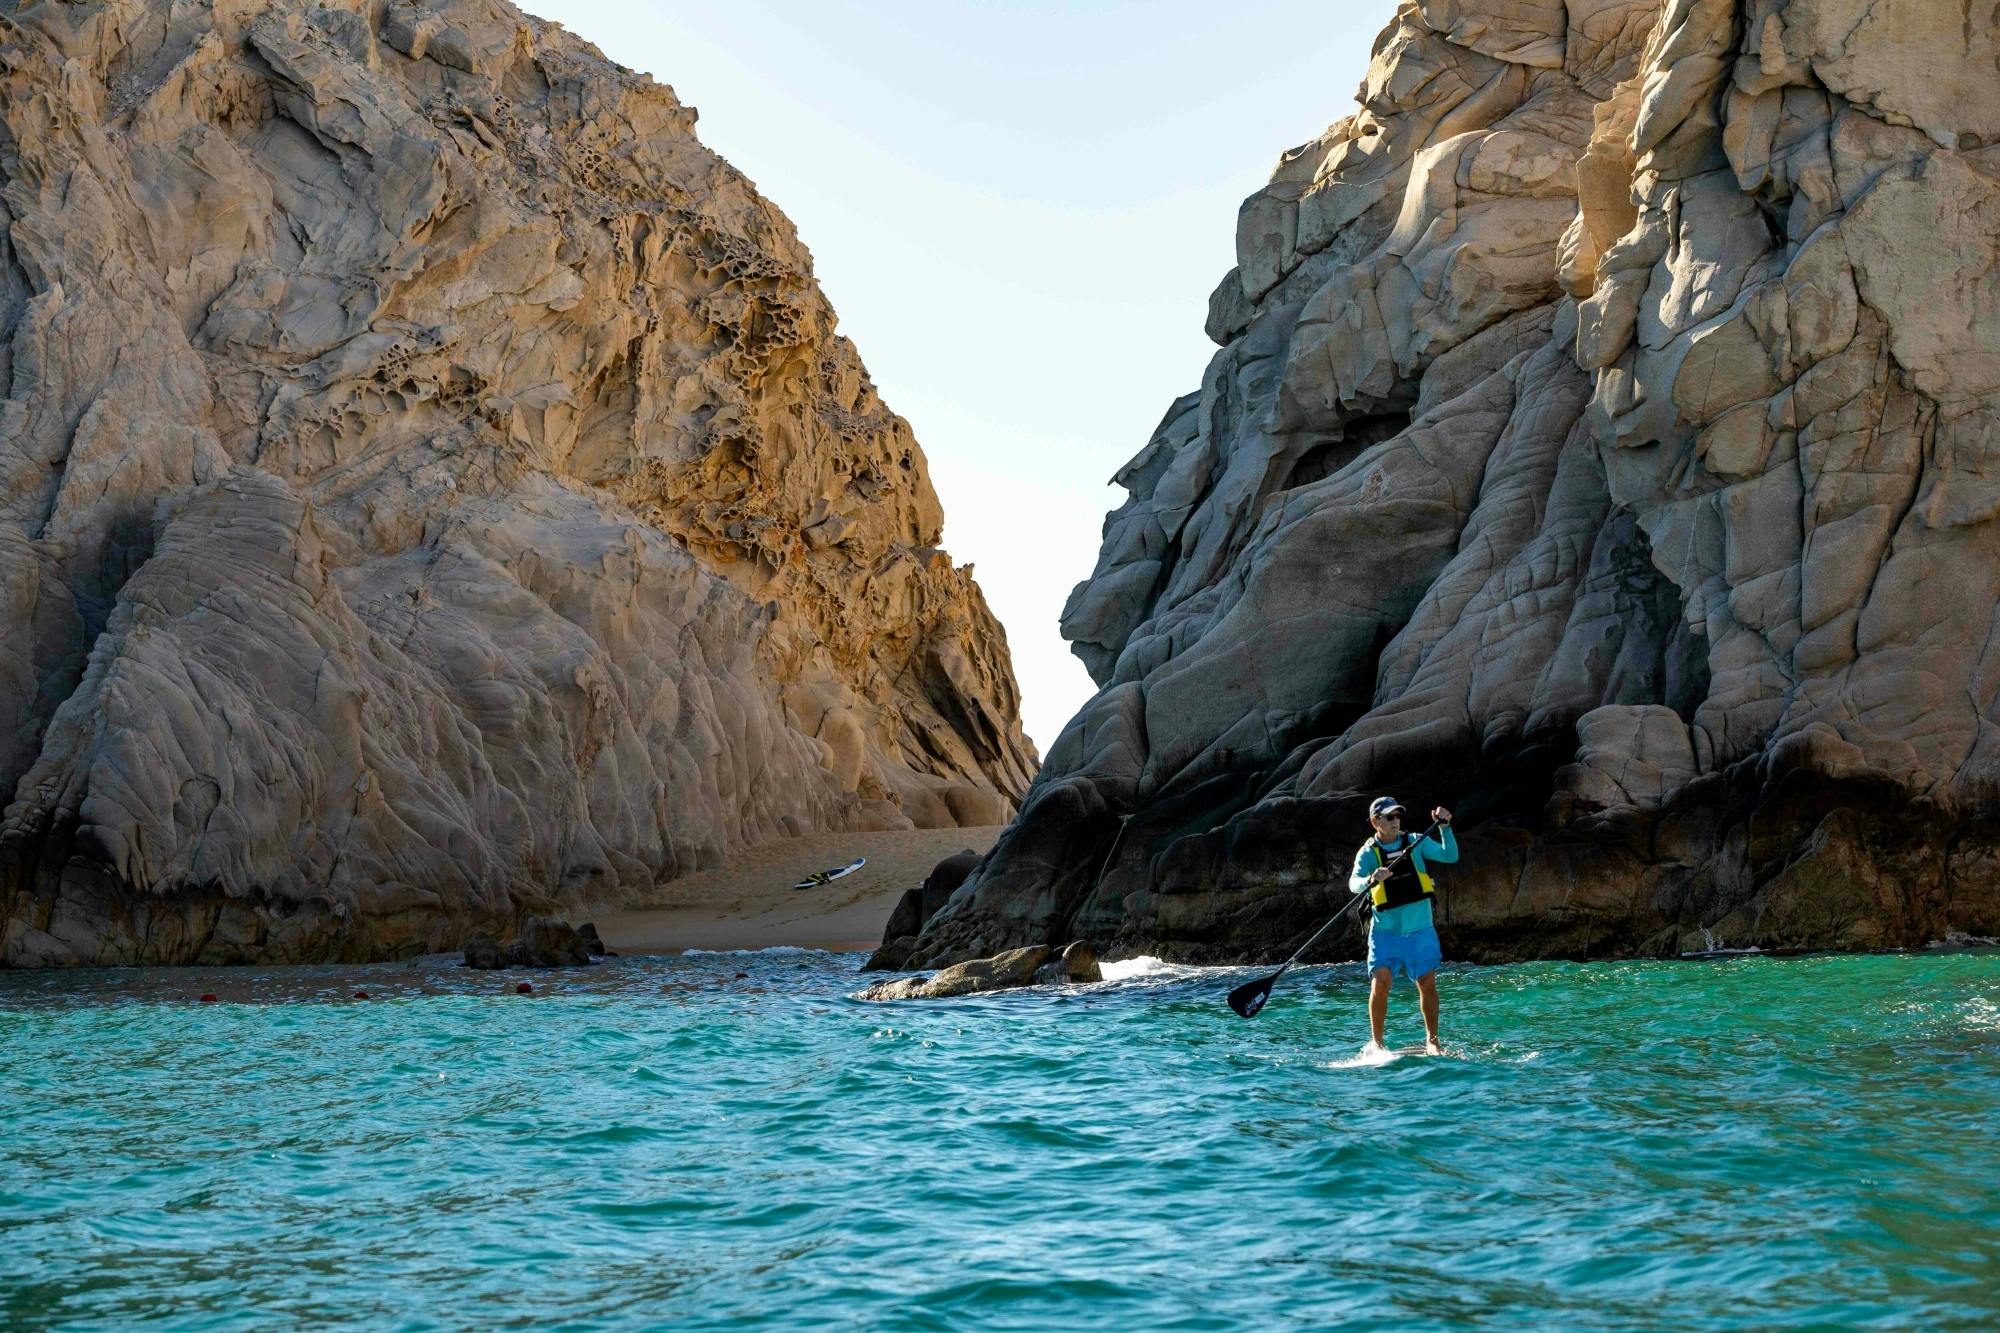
[1605, 440]
[918, 905]
[432, 490]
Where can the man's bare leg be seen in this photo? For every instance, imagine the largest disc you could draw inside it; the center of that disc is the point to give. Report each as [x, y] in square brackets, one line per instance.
[1427, 1000]
[1378, 1002]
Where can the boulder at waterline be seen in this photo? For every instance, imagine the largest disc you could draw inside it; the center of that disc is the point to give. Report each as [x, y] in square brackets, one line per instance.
[1077, 962]
[1033, 965]
[542, 942]
[484, 953]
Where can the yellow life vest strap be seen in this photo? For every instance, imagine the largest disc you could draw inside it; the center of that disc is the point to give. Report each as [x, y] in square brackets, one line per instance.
[1406, 884]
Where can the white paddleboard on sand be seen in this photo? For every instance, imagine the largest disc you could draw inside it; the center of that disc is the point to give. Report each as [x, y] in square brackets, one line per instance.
[820, 877]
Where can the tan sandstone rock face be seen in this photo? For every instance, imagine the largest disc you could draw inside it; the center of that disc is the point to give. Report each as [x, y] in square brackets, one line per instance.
[432, 488]
[1605, 440]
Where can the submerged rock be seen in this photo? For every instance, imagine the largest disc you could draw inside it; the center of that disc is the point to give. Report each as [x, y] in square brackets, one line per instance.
[431, 484]
[1034, 965]
[1604, 442]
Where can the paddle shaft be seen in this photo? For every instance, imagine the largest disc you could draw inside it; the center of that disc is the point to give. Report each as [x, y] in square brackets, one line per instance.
[1390, 864]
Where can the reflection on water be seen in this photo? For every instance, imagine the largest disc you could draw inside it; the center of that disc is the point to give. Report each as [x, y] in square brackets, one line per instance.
[1751, 1142]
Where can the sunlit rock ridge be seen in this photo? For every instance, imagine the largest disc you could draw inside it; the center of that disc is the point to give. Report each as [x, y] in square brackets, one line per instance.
[1605, 441]
[431, 489]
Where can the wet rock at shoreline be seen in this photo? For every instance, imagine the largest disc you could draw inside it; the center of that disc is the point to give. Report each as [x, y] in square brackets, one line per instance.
[485, 954]
[542, 942]
[1077, 962]
[1033, 965]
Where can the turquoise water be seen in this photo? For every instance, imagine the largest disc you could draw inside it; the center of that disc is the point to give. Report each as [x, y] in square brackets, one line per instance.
[1747, 1143]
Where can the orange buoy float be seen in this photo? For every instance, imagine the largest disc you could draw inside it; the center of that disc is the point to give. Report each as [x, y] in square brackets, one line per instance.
[525, 988]
[361, 995]
[208, 999]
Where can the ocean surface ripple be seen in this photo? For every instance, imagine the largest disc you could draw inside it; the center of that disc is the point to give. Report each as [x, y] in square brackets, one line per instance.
[1756, 1142]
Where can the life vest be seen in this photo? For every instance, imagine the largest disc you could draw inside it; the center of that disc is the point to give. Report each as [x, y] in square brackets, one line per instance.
[1406, 884]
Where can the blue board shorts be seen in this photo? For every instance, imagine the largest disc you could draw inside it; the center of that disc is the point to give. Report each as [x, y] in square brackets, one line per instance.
[1416, 954]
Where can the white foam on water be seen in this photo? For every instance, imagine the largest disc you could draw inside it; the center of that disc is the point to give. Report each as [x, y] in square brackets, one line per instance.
[1125, 969]
[728, 953]
[1714, 948]
[1371, 1056]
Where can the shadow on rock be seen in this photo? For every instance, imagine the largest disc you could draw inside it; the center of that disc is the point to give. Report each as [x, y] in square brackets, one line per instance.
[915, 909]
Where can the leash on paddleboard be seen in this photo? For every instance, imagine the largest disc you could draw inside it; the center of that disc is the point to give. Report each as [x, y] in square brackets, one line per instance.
[1248, 998]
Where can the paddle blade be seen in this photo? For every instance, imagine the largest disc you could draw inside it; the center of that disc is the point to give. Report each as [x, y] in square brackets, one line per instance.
[1248, 998]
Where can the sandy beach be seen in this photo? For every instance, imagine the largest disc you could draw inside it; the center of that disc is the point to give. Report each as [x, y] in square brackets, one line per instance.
[750, 903]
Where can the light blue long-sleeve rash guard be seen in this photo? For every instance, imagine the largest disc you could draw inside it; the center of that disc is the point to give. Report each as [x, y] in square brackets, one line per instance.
[1410, 917]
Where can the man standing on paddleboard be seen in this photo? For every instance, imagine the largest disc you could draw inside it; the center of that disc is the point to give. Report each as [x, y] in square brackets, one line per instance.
[1391, 869]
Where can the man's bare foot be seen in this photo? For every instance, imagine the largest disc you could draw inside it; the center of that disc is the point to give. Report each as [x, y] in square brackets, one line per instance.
[1432, 1046]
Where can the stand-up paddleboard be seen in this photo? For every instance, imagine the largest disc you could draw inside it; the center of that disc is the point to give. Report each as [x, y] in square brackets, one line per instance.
[819, 877]
[1372, 1055]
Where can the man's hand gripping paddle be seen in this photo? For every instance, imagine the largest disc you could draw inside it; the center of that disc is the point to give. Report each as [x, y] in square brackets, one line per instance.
[1248, 998]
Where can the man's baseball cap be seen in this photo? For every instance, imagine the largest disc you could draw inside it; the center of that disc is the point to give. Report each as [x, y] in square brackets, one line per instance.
[1385, 805]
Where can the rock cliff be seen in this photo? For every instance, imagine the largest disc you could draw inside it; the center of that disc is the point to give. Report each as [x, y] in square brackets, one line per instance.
[1605, 440]
[431, 489]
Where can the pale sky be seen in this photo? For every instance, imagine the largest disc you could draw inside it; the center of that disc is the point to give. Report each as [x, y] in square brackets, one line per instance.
[1018, 211]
